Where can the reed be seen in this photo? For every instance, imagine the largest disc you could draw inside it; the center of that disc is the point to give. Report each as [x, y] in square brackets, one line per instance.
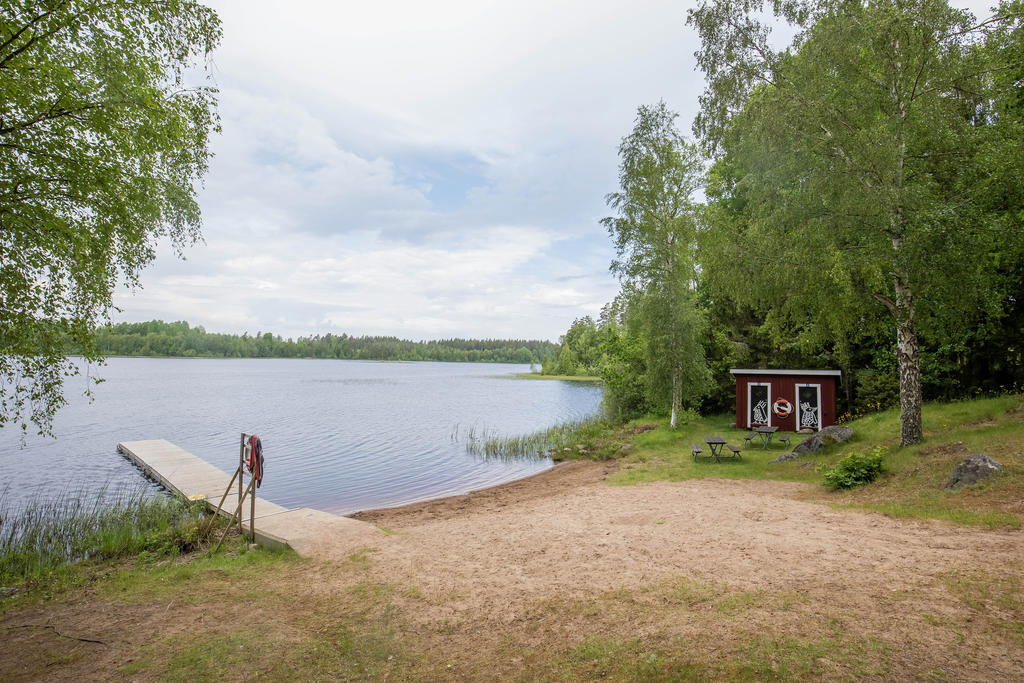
[43, 535]
[572, 437]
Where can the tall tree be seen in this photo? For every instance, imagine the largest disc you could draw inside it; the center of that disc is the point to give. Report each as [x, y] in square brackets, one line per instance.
[655, 240]
[849, 166]
[102, 140]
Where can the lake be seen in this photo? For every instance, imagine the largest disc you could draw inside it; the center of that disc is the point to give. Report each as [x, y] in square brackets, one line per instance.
[337, 435]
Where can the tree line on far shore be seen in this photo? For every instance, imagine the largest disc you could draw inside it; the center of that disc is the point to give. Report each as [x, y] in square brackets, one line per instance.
[179, 339]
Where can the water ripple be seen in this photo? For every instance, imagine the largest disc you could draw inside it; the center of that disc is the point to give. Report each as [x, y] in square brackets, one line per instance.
[338, 435]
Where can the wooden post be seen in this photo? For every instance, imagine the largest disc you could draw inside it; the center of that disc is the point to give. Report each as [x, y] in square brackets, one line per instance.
[252, 513]
[237, 474]
[241, 465]
[238, 511]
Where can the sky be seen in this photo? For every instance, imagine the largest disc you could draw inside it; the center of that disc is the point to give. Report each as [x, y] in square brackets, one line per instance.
[419, 169]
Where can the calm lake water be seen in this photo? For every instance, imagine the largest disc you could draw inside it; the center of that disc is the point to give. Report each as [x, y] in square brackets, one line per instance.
[340, 436]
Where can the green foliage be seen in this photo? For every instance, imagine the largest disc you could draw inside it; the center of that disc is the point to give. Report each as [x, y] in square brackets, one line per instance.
[624, 374]
[580, 352]
[877, 389]
[103, 139]
[157, 338]
[855, 469]
[655, 234]
[853, 188]
[43, 536]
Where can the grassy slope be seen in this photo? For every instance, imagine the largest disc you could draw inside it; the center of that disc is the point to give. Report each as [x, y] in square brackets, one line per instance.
[913, 484]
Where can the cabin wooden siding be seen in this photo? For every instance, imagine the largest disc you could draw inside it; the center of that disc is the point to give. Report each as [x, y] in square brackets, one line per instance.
[784, 386]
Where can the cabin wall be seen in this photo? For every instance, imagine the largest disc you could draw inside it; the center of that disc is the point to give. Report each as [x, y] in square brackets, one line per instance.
[784, 386]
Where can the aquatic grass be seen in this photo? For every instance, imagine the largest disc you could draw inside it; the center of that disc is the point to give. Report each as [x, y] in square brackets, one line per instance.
[592, 379]
[43, 535]
[575, 437]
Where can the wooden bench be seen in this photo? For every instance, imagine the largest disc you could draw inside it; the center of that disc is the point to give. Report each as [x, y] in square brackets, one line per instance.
[748, 437]
[695, 450]
[735, 451]
[785, 439]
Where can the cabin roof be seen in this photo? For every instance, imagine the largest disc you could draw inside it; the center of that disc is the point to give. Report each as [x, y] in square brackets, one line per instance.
[761, 371]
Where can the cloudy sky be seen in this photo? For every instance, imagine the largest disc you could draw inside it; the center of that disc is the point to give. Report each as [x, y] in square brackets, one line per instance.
[418, 169]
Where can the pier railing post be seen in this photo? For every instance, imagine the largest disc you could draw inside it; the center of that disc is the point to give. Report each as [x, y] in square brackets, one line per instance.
[252, 513]
[241, 466]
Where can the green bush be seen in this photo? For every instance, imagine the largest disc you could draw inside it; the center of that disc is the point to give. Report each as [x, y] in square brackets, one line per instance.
[855, 469]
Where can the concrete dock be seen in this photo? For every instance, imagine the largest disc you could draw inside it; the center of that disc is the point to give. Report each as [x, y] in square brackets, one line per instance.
[309, 532]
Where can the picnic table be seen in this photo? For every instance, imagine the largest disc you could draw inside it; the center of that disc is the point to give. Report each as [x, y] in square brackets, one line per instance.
[716, 444]
[765, 432]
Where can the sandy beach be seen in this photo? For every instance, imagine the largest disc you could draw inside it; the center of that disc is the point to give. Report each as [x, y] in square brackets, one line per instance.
[503, 579]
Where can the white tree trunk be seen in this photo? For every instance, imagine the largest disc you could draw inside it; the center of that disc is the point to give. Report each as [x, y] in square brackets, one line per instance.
[677, 396]
[907, 354]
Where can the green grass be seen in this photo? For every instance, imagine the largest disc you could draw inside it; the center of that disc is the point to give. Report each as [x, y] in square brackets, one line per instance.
[986, 519]
[665, 455]
[564, 378]
[356, 636]
[913, 484]
[759, 658]
[729, 646]
[40, 538]
[149, 577]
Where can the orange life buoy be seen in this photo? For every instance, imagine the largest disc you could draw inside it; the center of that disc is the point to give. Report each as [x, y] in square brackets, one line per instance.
[254, 463]
[782, 407]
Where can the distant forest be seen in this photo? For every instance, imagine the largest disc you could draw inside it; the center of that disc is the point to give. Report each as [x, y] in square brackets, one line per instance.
[179, 339]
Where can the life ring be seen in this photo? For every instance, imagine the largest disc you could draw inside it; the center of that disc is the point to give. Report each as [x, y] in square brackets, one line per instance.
[254, 463]
[782, 407]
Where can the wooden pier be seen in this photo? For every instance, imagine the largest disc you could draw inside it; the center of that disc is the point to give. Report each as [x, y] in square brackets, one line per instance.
[307, 531]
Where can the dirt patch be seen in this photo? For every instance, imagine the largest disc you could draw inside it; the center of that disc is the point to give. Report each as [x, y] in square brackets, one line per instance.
[945, 449]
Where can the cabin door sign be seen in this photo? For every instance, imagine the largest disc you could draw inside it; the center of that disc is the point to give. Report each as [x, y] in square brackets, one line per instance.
[759, 399]
[808, 406]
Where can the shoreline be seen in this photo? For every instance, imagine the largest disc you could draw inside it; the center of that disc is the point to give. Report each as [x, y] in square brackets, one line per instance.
[562, 477]
[564, 378]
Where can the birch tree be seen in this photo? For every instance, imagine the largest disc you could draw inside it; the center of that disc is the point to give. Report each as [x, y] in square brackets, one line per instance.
[847, 171]
[655, 232]
[102, 140]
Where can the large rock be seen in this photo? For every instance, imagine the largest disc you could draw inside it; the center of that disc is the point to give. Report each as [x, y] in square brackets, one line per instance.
[826, 437]
[785, 457]
[973, 469]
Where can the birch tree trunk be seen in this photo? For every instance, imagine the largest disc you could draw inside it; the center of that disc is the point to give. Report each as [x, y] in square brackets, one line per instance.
[908, 357]
[677, 396]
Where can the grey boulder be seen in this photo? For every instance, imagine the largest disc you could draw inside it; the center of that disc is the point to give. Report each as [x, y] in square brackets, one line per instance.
[826, 437]
[973, 469]
[785, 457]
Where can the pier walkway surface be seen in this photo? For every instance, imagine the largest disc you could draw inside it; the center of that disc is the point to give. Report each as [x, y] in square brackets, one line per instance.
[309, 532]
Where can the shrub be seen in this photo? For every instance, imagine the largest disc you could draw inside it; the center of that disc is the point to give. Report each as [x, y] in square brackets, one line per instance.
[855, 469]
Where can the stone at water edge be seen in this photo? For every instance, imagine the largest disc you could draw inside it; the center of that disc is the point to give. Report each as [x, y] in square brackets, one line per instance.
[825, 437]
[973, 469]
[785, 457]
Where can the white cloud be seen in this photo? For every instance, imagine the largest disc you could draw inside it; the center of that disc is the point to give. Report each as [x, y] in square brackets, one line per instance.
[482, 286]
[278, 170]
[423, 169]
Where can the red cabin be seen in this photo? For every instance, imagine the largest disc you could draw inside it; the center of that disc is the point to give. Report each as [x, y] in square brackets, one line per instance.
[788, 399]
